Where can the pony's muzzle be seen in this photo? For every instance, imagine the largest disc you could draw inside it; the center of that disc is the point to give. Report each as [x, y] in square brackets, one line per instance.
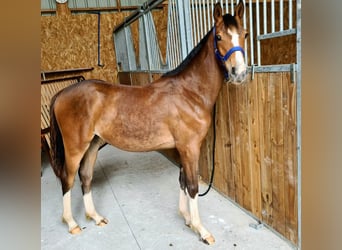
[237, 78]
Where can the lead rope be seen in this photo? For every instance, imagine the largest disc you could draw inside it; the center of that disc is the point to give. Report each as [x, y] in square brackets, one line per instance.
[213, 157]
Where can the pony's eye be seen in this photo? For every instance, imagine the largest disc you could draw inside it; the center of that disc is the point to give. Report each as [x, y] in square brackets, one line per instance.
[218, 38]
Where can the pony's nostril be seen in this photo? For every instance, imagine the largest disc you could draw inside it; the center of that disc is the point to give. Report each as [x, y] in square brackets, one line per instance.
[233, 70]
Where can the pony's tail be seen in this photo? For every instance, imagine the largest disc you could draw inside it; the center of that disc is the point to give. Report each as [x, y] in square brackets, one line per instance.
[57, 145]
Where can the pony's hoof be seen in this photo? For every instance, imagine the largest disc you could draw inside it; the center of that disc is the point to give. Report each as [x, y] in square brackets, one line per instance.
[209, 240]
[102, 222]
[75, 230]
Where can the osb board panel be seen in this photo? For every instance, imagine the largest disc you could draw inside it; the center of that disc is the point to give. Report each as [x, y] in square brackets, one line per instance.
[255, 150]
[160, 21]
[71, 41]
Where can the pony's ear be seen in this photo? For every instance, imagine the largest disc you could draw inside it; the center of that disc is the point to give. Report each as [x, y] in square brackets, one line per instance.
[218, 12]
[239, 9]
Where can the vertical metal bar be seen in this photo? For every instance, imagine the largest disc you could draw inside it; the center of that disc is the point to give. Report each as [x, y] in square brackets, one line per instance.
[147, 42]
[201, 21]
[130, 49]
[178, 43]
[192, 21]
[244, 15]
[150, 45]
[212, 13]
[150, 39]
[281, 15]
[174, 32]
[251, 31]
[258, 32]
[184, 27]
[265, 16]
[290, 15]
[245, 27]
[197, 22]
[168, 37]
[154, 42]
[299, 119]
[127, 52]
[273, 17]
[208, 14]
[143, 61]
[188, 26]
[204, 17]
[232, 7]
[167, 60]
[158, 56]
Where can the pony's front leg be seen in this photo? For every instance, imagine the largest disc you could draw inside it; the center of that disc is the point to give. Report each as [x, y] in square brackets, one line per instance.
[67, 214]
[196, 224]
[183, 207]
[189, 180]
[183, 198]
[192, 219]
[91, 212]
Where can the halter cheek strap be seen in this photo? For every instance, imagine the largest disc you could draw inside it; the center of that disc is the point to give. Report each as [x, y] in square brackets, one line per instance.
[224, 58]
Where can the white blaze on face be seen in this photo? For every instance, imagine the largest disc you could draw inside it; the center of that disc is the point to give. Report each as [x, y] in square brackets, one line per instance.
[240, 61]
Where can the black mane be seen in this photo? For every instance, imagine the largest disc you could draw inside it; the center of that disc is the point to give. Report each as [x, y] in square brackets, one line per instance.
[189, 57]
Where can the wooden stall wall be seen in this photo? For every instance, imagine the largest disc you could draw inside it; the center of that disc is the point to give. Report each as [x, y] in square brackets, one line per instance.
[255, 150]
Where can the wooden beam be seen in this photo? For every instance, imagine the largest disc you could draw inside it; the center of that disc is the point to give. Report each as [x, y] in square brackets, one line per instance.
[114, 9]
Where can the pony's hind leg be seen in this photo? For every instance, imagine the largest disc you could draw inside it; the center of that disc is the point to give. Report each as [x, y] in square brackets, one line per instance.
[67, 179]
[86, 175]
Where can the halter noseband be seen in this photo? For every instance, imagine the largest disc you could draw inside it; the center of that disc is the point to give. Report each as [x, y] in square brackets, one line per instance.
[224, 58]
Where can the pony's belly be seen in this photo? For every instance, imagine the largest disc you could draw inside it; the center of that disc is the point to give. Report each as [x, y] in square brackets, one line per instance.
[139, 140]
[141, 146]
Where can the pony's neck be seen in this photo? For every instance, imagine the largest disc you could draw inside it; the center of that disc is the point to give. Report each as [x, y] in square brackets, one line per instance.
[204, 75]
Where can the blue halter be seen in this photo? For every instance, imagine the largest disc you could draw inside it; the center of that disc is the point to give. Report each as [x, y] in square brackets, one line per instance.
[224, 58]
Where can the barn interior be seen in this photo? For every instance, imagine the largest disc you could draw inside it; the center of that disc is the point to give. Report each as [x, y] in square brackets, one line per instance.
[254, 201]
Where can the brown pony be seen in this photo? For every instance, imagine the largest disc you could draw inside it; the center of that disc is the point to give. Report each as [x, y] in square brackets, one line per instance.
[172, 112]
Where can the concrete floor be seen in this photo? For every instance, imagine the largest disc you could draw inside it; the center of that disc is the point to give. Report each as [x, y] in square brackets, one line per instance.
[138, 194]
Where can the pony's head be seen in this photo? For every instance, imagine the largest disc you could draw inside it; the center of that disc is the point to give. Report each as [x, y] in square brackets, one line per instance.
[229, 42]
